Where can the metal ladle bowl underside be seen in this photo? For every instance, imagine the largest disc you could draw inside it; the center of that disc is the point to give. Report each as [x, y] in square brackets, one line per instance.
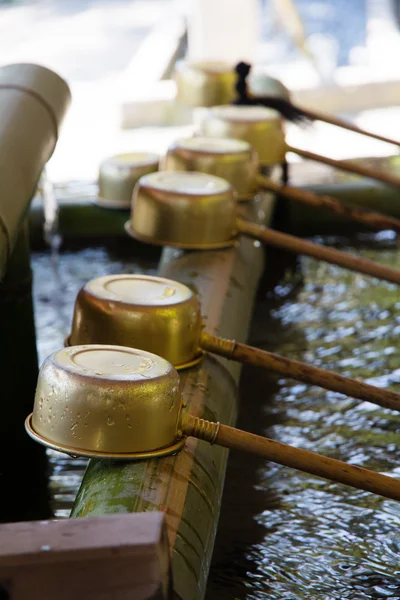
[107, 401]
[184, 209]
[233, 160]
[140, 311]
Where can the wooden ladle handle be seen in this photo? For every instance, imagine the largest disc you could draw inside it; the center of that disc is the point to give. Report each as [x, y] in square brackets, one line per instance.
[330, 255]
[296, 458]
[370, 218]
[334, 120]
[343, 165]
[289, 367]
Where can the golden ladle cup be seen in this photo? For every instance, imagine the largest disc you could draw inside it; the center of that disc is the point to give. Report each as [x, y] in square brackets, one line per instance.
[204, 84]
[119, 174]
[121, 403]
[196, 211]
[164, 317]
[235, 161]
[263, 129]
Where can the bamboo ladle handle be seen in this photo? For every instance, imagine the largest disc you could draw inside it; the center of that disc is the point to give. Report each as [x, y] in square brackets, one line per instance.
[333, 120]
[330, 255]
[343, 165]
[296, 458]
[366, 217]
[289, 367]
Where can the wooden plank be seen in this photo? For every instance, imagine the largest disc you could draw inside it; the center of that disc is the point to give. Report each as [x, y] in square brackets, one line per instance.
[110, 558]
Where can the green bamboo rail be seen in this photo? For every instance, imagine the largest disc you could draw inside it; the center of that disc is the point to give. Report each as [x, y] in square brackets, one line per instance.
[79, 218]
[189, 486]
[303, 220]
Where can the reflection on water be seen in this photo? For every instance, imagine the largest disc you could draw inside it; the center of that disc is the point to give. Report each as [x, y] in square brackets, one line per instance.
[284, 535]
[287, 535]
[55, 291]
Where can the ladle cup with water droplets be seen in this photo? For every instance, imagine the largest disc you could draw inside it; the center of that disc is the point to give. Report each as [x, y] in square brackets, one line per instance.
[196, 211]
[121, 403]
[164, 317]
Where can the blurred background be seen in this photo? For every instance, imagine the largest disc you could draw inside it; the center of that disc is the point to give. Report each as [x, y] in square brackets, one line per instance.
[118, 57]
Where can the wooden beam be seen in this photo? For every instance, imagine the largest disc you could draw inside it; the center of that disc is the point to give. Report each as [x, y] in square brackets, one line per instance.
[100, 558]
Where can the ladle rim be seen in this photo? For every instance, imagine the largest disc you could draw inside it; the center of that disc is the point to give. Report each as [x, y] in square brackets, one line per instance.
[77, 452]
[186, 365]
[113, 204]
[150, 240]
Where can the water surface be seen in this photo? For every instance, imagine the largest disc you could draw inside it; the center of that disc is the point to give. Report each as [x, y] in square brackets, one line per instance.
[287, 535]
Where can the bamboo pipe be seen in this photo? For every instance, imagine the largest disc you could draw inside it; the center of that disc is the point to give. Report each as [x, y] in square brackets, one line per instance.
[336, 257]
[364, 216]
[300, 371]
[296, 458]
[343, 165]
[33, 102]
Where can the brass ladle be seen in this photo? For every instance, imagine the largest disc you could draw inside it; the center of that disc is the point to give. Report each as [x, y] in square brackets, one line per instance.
[205, 83]
[120, 403]
[263, 129]
[199, 212]
[235, 161]
[164, 317]
[119, 174]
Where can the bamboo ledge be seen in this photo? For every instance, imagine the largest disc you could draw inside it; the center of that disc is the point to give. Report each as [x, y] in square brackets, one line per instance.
[188, 486]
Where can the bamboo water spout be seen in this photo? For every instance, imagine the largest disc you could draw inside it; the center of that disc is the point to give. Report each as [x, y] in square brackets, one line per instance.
[235, 161]
[132, 409]
[164, 317]
[33, 102]
[263, 129]
[198, 211]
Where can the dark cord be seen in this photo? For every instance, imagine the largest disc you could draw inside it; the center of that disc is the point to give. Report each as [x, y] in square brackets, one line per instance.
[284, 107]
